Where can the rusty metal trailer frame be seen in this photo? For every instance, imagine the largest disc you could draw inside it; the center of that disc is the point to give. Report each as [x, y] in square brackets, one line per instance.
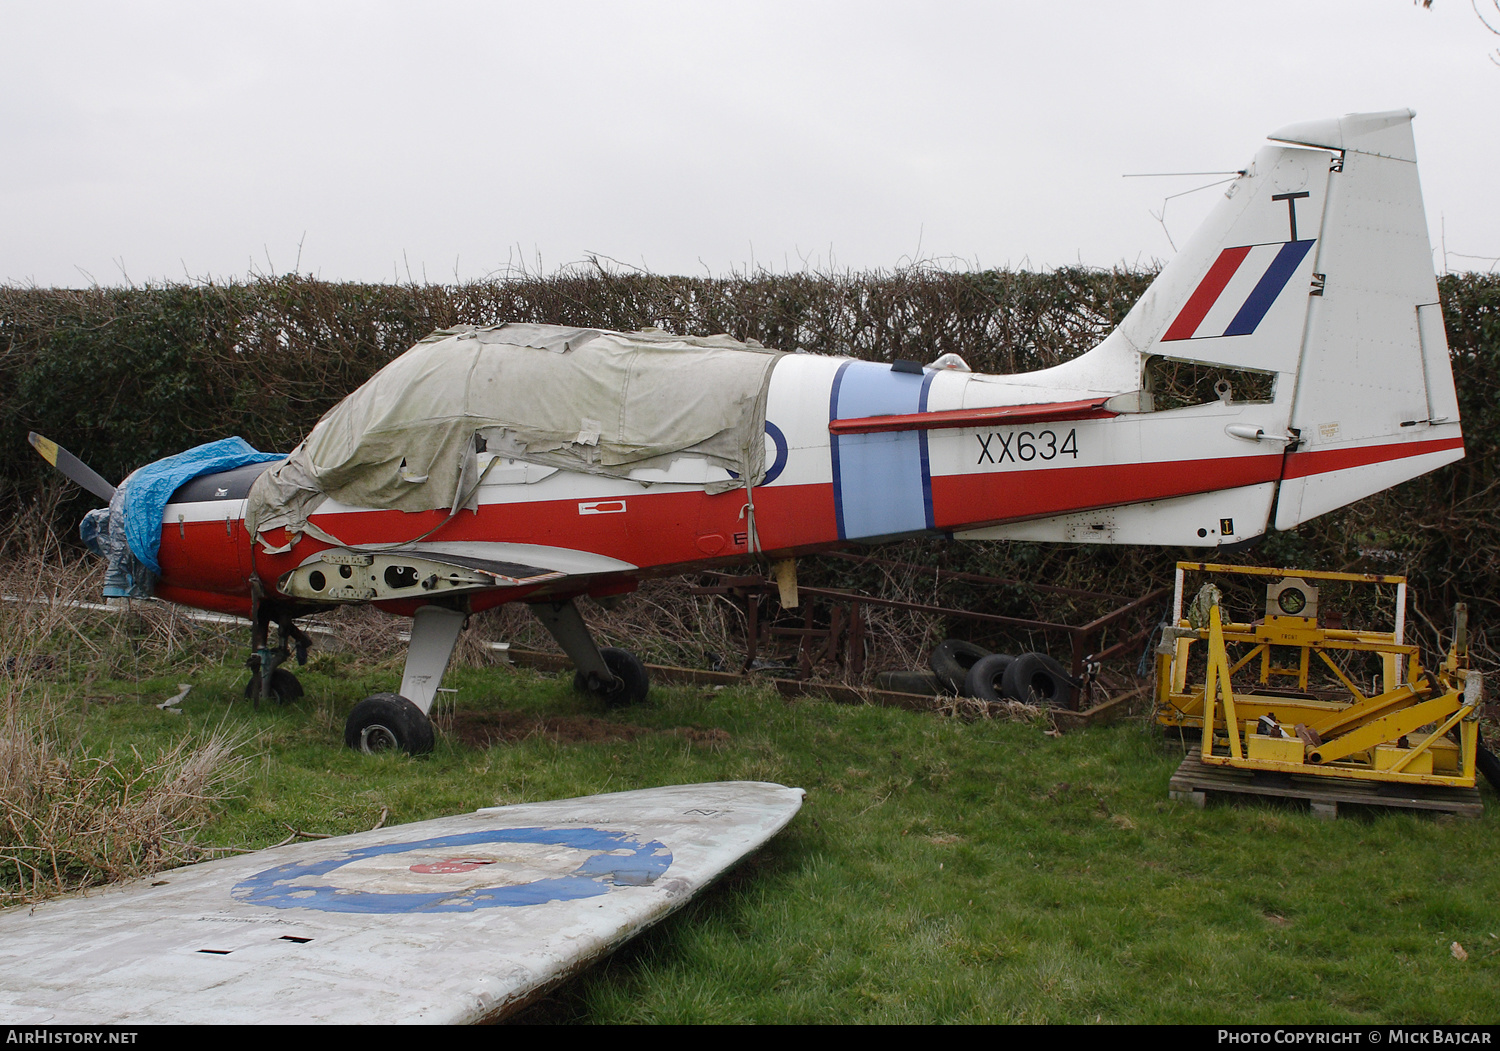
[842, 642]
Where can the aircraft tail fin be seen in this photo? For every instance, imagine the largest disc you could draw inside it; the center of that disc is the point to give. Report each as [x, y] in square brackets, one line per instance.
[1375, 402]
[1315, 272]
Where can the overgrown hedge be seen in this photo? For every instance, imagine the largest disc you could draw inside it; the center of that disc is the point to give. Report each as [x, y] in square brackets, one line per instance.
[125, 375]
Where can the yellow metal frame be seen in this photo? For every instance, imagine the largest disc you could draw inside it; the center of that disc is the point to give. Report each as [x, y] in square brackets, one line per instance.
[1393, 735]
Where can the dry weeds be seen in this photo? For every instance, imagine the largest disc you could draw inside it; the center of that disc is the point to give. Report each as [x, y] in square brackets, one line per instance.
[70, 817]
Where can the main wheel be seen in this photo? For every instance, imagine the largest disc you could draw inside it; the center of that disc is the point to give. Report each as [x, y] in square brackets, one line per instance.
[951, 660]
[388, 722]
[986, 680]
[631, 685]
[284, 686]
[1036, 678]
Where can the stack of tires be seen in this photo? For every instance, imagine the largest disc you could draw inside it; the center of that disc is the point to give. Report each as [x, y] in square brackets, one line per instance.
[967, 670]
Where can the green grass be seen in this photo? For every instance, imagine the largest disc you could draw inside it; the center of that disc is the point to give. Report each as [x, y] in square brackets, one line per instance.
[939, 870]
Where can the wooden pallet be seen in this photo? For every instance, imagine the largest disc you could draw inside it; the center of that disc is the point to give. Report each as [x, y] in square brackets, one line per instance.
[1194, 782]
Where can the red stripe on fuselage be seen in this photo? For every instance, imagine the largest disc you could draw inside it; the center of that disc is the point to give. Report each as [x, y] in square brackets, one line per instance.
[1322, 461]
[665, 528]
[655, 529]
[963, 500]
[205, 566]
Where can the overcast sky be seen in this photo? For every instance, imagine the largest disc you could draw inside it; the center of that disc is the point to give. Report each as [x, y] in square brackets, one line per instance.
[387, 141]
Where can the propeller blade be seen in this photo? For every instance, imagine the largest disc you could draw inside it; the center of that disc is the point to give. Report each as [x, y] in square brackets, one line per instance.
[70, 465]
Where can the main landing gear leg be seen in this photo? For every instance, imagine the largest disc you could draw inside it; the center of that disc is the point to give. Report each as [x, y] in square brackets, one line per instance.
[615, 676]
[267, 678]
[389, 721]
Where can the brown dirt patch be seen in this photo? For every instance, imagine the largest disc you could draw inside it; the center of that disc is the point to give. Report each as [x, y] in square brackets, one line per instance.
[698, 735]
[483, 729]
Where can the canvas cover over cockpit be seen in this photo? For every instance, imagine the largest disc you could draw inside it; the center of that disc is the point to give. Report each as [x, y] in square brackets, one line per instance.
[414, 437]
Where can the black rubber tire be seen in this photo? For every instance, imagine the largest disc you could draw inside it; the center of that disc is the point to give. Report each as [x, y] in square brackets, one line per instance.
[1036, 678]
[1488, 765]
[633, 684]
[951, 660]
[387, 722]
[986, 680]
[919, 682]
[285, 687]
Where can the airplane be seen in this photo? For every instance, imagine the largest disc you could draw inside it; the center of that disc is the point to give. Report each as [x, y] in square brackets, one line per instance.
[539, 464]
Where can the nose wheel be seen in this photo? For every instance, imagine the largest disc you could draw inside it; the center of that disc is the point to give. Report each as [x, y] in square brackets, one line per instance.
[267, 678]
[285, 687]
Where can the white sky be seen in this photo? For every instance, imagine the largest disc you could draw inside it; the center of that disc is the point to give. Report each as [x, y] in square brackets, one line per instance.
[380, 140]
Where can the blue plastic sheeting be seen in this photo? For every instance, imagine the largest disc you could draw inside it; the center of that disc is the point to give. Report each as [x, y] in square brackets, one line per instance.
[149, 488]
